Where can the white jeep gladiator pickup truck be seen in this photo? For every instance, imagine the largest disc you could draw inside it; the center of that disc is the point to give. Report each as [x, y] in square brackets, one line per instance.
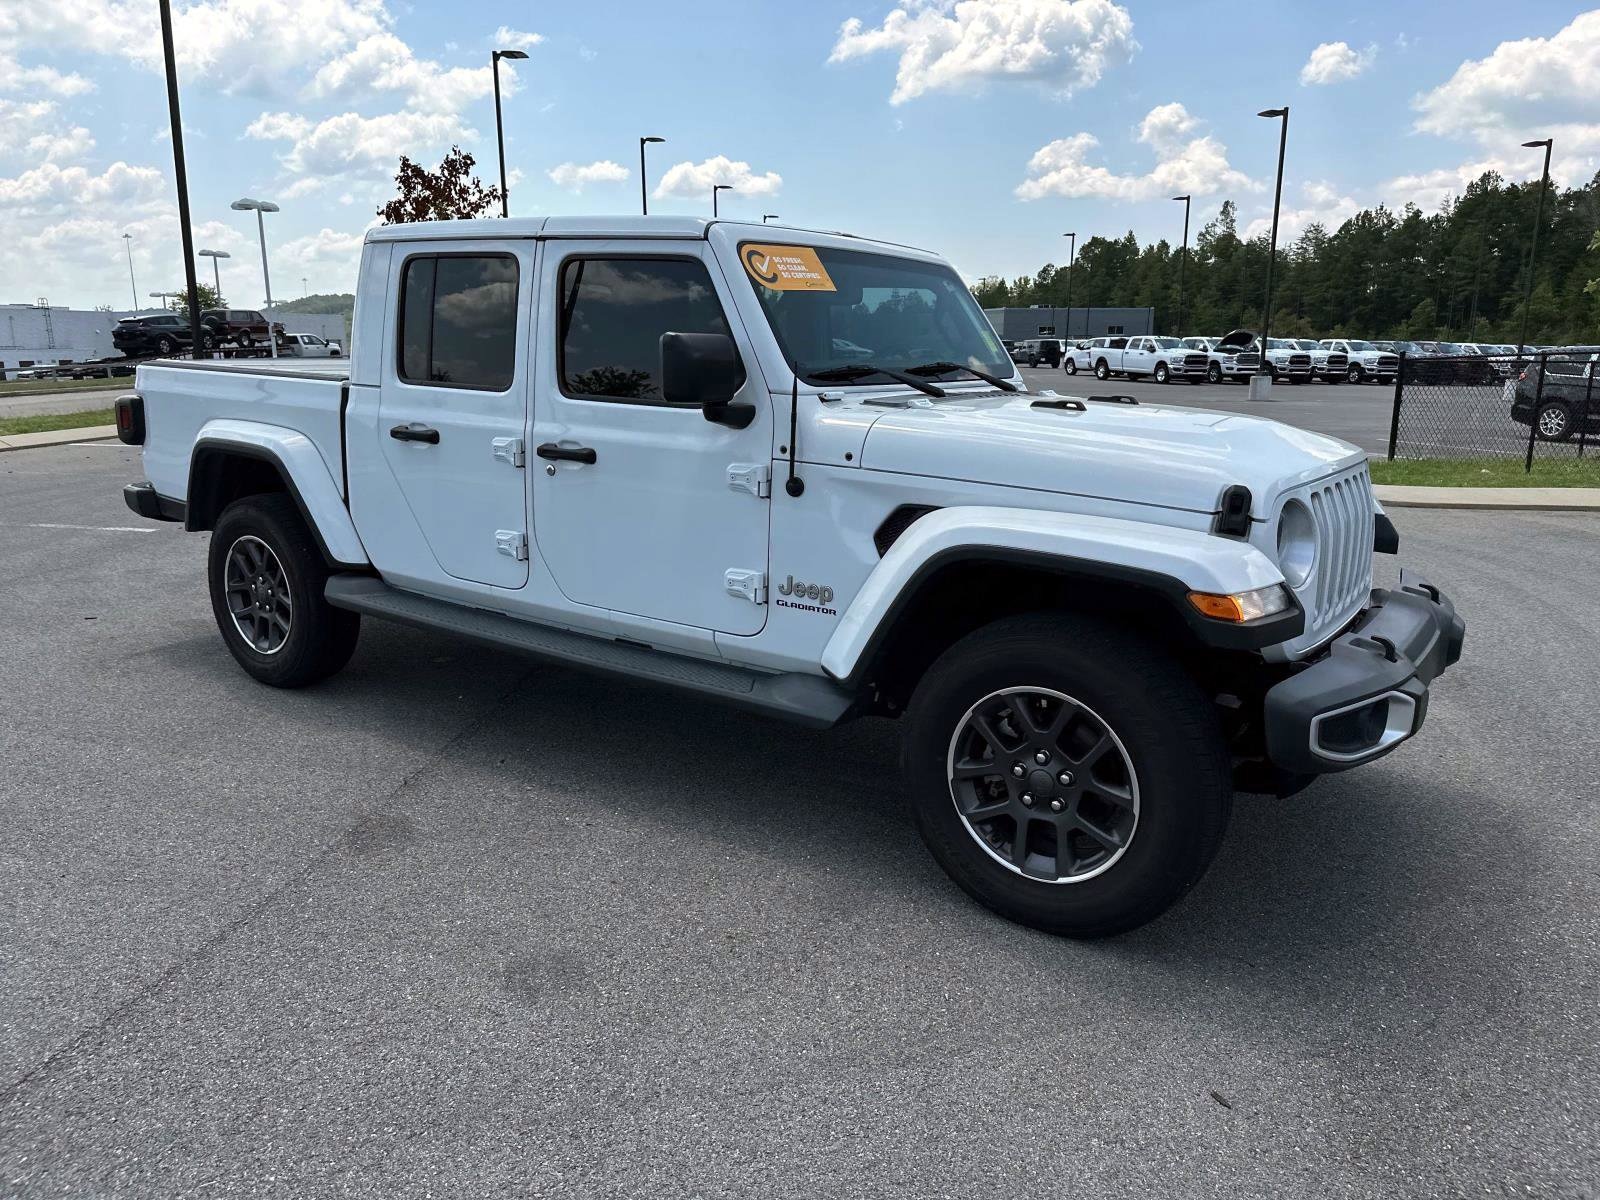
[633, 445]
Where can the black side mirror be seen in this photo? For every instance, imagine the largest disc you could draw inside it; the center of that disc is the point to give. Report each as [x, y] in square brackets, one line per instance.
[704, 369]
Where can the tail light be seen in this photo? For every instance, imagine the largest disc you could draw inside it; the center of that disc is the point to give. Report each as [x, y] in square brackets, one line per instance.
[129, 412]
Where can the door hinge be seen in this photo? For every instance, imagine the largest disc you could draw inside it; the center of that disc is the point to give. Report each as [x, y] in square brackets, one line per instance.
[511, 450]
[513, 543]
[746, 585]
[755, 478]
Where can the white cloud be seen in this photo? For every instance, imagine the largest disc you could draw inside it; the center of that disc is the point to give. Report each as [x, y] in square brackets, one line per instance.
[1321, 203]
[1185, 162]
[383, 64]
[49, 188]
[1335, 62]
[21, 121]
[576, 176]
[696, 179]
[16, 78]
[1429, 190]
[1063, 45]
[350, 144]
[61, 147]
[514, 39]
[1527, 89]
[328, 259]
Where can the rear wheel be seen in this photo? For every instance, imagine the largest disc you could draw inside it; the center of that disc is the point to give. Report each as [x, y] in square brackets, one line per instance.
[1066, 774]
[1102, 370]
[267, 577]
[245, 340]
[1554, 423]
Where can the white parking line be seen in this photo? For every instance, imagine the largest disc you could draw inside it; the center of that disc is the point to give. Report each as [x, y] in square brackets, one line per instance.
[91, 528]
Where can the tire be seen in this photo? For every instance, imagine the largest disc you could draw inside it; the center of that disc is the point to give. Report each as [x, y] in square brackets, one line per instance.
[1272, 372]
[1070, 366]
[1355, 374]
[1148, 725]
[1213, 373]
[165, 345]
[1102, 370]
[1553, 423]
[244, 340]
[1163, 373]
[1033, 362]
[265, 535]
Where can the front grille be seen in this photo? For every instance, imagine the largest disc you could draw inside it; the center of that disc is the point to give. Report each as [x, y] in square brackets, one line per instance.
[1195, 361]
[1249, 360]
[1300, 361]
[1388, 362]
[1338, 362]
[1341, 578]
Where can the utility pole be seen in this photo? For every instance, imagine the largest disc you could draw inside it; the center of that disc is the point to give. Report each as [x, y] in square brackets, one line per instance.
[1261, 382]
[181, 177]
[1183, 263]
[1533, 244]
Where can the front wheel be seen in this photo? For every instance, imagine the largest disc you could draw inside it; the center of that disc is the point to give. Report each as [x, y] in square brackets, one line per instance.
[1066, 774]
[1355, 374]
[267, 578]
[1163, 373]
[1213, 373]
[1070, 366]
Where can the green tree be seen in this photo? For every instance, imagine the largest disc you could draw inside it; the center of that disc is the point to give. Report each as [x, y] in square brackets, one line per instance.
[178, 301]
[449, 192]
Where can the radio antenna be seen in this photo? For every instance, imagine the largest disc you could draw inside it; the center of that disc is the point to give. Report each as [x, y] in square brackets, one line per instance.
[795, 485]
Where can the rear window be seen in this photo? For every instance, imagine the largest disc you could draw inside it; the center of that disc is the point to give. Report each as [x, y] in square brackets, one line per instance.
[458, 321]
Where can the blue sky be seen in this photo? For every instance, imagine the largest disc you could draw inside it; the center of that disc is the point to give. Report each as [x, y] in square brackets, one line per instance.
[979, 128]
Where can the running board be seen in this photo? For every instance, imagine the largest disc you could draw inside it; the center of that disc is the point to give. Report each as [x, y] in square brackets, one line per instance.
[805, 699]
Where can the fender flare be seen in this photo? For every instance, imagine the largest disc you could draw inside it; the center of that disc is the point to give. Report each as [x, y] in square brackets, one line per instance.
[305, 476]
[1170, 562]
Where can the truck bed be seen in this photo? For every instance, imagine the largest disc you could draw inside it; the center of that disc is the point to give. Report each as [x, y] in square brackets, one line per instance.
[182, 399]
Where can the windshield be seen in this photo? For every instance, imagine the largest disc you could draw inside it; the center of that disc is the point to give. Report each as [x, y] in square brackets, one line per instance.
[877, 310]
[1306, 344]
[1281, 344]
[1166, 343]
[1359, 346]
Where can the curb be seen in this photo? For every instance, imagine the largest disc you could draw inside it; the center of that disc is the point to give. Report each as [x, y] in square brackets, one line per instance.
[56, 437]
[1503, 499]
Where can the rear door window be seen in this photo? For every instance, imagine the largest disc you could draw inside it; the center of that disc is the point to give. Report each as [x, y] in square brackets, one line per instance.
[458, 321]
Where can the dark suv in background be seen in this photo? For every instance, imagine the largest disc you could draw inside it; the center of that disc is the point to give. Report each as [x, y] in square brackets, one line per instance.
[241, 326]
[163, 333]
[1568, 401]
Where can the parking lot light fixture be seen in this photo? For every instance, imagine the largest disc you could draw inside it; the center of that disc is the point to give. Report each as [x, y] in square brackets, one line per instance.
[133, 288]
[1072, 253]
[259, 207]
[644, 194]
[499, 129]
[216, 273]
[715, 188]
[765, 217]
[1261, 382]
[1533, 244]
[1183, 263]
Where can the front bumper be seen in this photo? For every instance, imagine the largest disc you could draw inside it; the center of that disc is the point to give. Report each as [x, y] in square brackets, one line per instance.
[1368, 692]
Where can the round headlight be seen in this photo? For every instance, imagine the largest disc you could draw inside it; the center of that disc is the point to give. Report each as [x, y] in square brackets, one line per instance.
[1297, 543]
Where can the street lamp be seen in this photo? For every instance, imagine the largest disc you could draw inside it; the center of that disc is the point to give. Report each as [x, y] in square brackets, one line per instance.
[216, 272]
[258, 207]
[1533, 245]
[765, 217]
[1261, 382]
[715, 188]
[161, 296]
[1072, 253]
[127, 241]
[1183, 263]
[644, 198]
[499, 131]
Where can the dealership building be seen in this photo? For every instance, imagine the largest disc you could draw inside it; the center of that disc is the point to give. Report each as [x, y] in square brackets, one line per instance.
[1044, 320]
[42, 333]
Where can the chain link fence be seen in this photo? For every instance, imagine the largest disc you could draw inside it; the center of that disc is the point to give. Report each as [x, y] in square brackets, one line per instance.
[1486, 407]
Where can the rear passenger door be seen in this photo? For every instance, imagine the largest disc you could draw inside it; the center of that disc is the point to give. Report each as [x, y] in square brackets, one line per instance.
[453, 402]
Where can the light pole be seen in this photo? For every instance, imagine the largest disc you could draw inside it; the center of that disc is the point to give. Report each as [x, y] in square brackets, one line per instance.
[161, 296]
[133, 288]
[765, 217]
[304, 287]
[715, 188]
[1261, 381]
[216, 272]
[258, 207]
[1072, 253]
[1533, 245]
[1183, 264]
[499, 130]
[644, 195]
[1477, 272]
[181, 178]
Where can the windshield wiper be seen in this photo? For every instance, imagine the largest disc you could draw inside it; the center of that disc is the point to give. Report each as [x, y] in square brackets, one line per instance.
[861, 370]
[943, 368]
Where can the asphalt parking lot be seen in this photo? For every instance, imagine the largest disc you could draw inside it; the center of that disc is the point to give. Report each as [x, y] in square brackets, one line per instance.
[1357, 412]
[457, 924]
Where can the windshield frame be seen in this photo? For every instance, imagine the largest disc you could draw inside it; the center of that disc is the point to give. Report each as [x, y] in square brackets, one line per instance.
[933, 270]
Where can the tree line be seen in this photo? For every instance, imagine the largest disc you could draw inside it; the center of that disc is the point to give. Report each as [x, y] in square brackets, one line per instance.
[1456, 275]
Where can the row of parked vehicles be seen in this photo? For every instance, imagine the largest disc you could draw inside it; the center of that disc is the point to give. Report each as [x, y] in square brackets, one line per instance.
[245, 329]
[1237, 356]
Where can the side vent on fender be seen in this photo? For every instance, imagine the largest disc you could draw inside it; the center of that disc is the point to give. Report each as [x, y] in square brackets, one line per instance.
[896, 523]
[1233, 512]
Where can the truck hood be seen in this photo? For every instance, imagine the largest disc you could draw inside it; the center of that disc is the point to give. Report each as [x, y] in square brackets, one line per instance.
[1144, 454]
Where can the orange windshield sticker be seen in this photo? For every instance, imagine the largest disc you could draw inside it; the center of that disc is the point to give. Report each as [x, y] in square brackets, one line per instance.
[787, 268]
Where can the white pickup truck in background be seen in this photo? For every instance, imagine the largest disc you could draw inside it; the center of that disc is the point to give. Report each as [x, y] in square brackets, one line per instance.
[1366, 363]
[1232, 356]
[1162, 358]
[796, 473]
[1327, 365]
